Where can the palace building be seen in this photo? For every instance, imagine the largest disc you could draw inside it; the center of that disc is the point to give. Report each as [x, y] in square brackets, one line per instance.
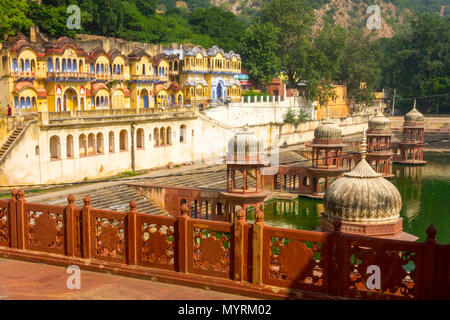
[64, 76]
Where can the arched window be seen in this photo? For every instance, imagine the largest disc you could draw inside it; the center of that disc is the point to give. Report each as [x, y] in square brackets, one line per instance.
[143, 69]
[16, 102]
[102, 68]
[99, 143]
[91, 143]
[306, 181]
[123, 140]
[33, 103]
[22, 103]
[74, 65]
[156, 137]
[112, 147]
[55, 149]
[82, 145]
[169, 136]
[22, 65]
[69, 65]
[182, 133]
[49, 65]
[69, 146]
[140, 138]
[64, 65]
[162, 136]
[27, 65]
[57, 65]
[28, 103]
[15, 67]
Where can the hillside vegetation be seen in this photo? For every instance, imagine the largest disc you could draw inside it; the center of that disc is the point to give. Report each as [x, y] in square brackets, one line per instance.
[315, 43]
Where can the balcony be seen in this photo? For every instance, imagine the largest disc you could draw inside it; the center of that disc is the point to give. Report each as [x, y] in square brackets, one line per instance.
[69, 76]
[23, 74]
[144, 78]
[118, 77]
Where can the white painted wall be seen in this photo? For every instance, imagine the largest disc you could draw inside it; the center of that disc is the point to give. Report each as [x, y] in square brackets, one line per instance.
[210, 140]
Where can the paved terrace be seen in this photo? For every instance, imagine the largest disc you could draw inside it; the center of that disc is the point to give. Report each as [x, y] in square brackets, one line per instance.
[21, 280]
[26, 280]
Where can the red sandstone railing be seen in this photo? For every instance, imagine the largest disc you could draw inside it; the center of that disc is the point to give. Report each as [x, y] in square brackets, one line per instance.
[240, 254]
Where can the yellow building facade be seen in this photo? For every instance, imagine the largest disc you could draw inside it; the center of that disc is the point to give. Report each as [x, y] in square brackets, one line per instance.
[207, 76]
[61, 76]
[339, 107]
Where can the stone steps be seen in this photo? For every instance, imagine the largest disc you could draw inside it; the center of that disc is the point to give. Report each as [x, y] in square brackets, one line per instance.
[115, 198]
[10, 140]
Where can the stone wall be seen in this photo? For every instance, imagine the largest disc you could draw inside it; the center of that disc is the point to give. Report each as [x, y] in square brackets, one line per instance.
[205, 140]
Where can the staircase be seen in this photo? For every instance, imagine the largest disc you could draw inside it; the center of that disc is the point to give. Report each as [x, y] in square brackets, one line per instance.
[115, 198]
[10, 140]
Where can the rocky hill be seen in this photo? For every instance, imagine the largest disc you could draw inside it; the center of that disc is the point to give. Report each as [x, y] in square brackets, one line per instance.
[346, 12]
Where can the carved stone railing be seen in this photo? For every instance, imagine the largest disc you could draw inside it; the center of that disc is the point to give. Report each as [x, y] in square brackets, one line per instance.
[240, 257]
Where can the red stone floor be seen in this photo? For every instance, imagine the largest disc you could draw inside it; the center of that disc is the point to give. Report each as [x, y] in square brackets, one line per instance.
[25, 281]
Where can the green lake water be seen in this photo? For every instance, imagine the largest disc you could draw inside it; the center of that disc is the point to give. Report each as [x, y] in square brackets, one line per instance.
[425, 194]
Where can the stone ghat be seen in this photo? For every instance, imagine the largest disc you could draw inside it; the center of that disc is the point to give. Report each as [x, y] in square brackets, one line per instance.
[241, 258]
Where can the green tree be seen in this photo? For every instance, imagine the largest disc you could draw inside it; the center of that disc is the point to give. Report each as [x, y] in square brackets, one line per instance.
[146, 7]
[416, 62]
[360, 64]
[50, 20]
[260, 52]
[13, 18]
[294, 20]
[222, 26]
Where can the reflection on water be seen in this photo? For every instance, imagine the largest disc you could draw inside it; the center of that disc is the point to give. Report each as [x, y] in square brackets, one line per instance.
[425, 193]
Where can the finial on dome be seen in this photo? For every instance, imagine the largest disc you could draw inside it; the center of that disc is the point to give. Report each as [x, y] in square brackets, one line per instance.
[363, 145]
[414, 104]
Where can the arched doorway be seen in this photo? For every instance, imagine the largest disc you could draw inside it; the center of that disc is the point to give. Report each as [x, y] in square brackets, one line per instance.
[220, 91]
[70, 100]
[144, 98]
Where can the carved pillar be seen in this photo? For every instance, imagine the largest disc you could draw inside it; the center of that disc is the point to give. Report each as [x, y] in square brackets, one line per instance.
[132, 236]
[182, 222]
[20, 204]
[70, 226]
[257, 243]
[86, 221]
[12, 219]
[239, 246]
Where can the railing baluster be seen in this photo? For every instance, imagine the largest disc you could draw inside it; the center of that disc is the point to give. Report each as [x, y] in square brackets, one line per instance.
[183, 239]
[258, 229]
[239, 246]
[20, 219]
[12, 207]
[131, 233]
[70, 226]
[428, 263]
[86, 232]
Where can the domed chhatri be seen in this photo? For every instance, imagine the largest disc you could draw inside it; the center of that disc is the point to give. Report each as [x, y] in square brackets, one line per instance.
[414, 116]
[379, 123]
[365, 202]
[245, 159]
[410, 150]
[327, 130]
[245, 148]
[379, 140]
[363, 195]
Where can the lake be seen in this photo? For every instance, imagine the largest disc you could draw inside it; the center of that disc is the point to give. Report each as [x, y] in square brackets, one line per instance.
[425, 194]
